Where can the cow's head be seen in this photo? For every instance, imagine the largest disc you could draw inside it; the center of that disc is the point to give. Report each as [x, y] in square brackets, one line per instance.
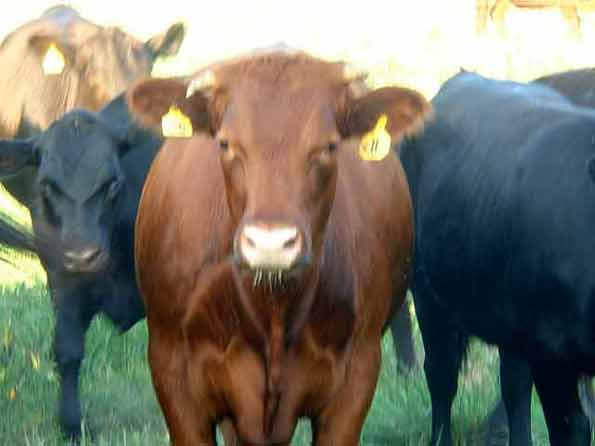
[280, 123]
[78, 186]
[102, 61]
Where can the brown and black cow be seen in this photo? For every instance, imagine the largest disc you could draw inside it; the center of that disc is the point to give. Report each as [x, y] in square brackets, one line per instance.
[99, 63]
[269, 255]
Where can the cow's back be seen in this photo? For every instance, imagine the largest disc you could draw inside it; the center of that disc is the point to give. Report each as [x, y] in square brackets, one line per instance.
[577, 85]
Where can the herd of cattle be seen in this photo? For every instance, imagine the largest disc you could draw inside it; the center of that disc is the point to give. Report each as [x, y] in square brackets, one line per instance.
[269, 258]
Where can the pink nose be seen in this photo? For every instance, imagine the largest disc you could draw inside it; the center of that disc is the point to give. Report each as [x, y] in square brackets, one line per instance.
[270, 247]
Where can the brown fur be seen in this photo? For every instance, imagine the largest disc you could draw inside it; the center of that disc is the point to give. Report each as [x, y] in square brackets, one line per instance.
[222, 348]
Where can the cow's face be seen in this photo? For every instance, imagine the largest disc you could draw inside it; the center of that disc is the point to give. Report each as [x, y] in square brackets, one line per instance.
[78, 187]
[278, 153]
[106, 61]
[280, 124]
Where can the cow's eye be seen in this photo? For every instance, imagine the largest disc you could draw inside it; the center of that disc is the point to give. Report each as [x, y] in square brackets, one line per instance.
[223, 144]
[332, 146]
[49, 189]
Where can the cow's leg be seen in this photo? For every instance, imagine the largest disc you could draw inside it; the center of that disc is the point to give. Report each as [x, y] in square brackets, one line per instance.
[187, 425]
[228, 431]
[498, 14]
[445, 348]
[73, 317]
[512, 416]
[587, 395]
[341, 422]
[481, 17]
[557, 386]
[516, 383]
[496, 425]
[401, 328]
[570, 14]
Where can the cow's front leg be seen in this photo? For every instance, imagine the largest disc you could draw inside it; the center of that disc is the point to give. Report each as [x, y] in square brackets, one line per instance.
[73, 316]
[188, 420]
[341, 422]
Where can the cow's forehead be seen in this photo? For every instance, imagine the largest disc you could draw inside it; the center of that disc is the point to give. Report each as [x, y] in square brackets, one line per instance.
[79, 155]
[281, 93]
[112, 34]
[111, 47]
[263, 114]
[285, 70]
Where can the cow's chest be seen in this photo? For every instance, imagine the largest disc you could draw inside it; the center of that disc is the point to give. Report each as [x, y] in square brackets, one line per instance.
[252, 390]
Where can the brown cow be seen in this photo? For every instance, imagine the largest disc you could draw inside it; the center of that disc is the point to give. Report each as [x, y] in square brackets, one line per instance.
[269, 256]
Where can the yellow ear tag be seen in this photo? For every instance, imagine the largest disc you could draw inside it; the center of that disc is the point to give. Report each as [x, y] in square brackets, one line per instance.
[375, 145]
[53, 61]
[175, 124]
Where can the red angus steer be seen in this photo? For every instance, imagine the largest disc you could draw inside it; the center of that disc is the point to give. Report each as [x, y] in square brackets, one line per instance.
[270, 257]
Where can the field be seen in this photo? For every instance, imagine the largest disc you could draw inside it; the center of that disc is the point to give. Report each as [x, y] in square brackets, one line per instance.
[121, 409]
[419, 44]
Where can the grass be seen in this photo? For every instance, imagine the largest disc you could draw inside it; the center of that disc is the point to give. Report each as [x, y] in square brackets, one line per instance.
[120, 406]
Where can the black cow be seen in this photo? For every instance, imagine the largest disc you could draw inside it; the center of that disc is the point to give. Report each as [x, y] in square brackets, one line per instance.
[89, 172]
[576, 85]
[503, 187]
[100, 63]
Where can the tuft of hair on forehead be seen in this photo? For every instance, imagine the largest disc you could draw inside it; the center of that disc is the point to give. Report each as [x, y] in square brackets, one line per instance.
[80, 119]
[280, 67]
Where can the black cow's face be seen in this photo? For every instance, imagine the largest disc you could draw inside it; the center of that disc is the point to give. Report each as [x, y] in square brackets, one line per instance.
[78, 187]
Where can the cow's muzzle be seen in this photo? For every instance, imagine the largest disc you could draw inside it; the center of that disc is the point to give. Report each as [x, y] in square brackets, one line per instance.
[270, 247]
[85, 260]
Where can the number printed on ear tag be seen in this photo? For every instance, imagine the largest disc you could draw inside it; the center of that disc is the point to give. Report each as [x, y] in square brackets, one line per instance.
[375, 145]
[175, 124]
[53, 61]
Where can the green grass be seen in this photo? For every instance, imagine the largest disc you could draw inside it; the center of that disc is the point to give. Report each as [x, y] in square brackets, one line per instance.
[120, 406]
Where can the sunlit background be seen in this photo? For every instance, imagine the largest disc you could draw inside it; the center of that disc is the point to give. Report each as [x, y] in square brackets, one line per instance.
[419, 43]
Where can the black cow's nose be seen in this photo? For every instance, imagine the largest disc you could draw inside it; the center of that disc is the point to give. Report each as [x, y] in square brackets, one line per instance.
[86, 259]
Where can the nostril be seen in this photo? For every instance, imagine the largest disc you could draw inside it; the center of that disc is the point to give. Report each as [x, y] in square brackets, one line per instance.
[291, 242]
[89, 255]
[85, 255]
[248, 241]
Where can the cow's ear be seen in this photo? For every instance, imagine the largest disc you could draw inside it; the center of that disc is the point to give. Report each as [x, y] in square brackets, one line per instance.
[406, 111]
[51, 50]
[15, 154]
[151, 99]
[168, 43]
